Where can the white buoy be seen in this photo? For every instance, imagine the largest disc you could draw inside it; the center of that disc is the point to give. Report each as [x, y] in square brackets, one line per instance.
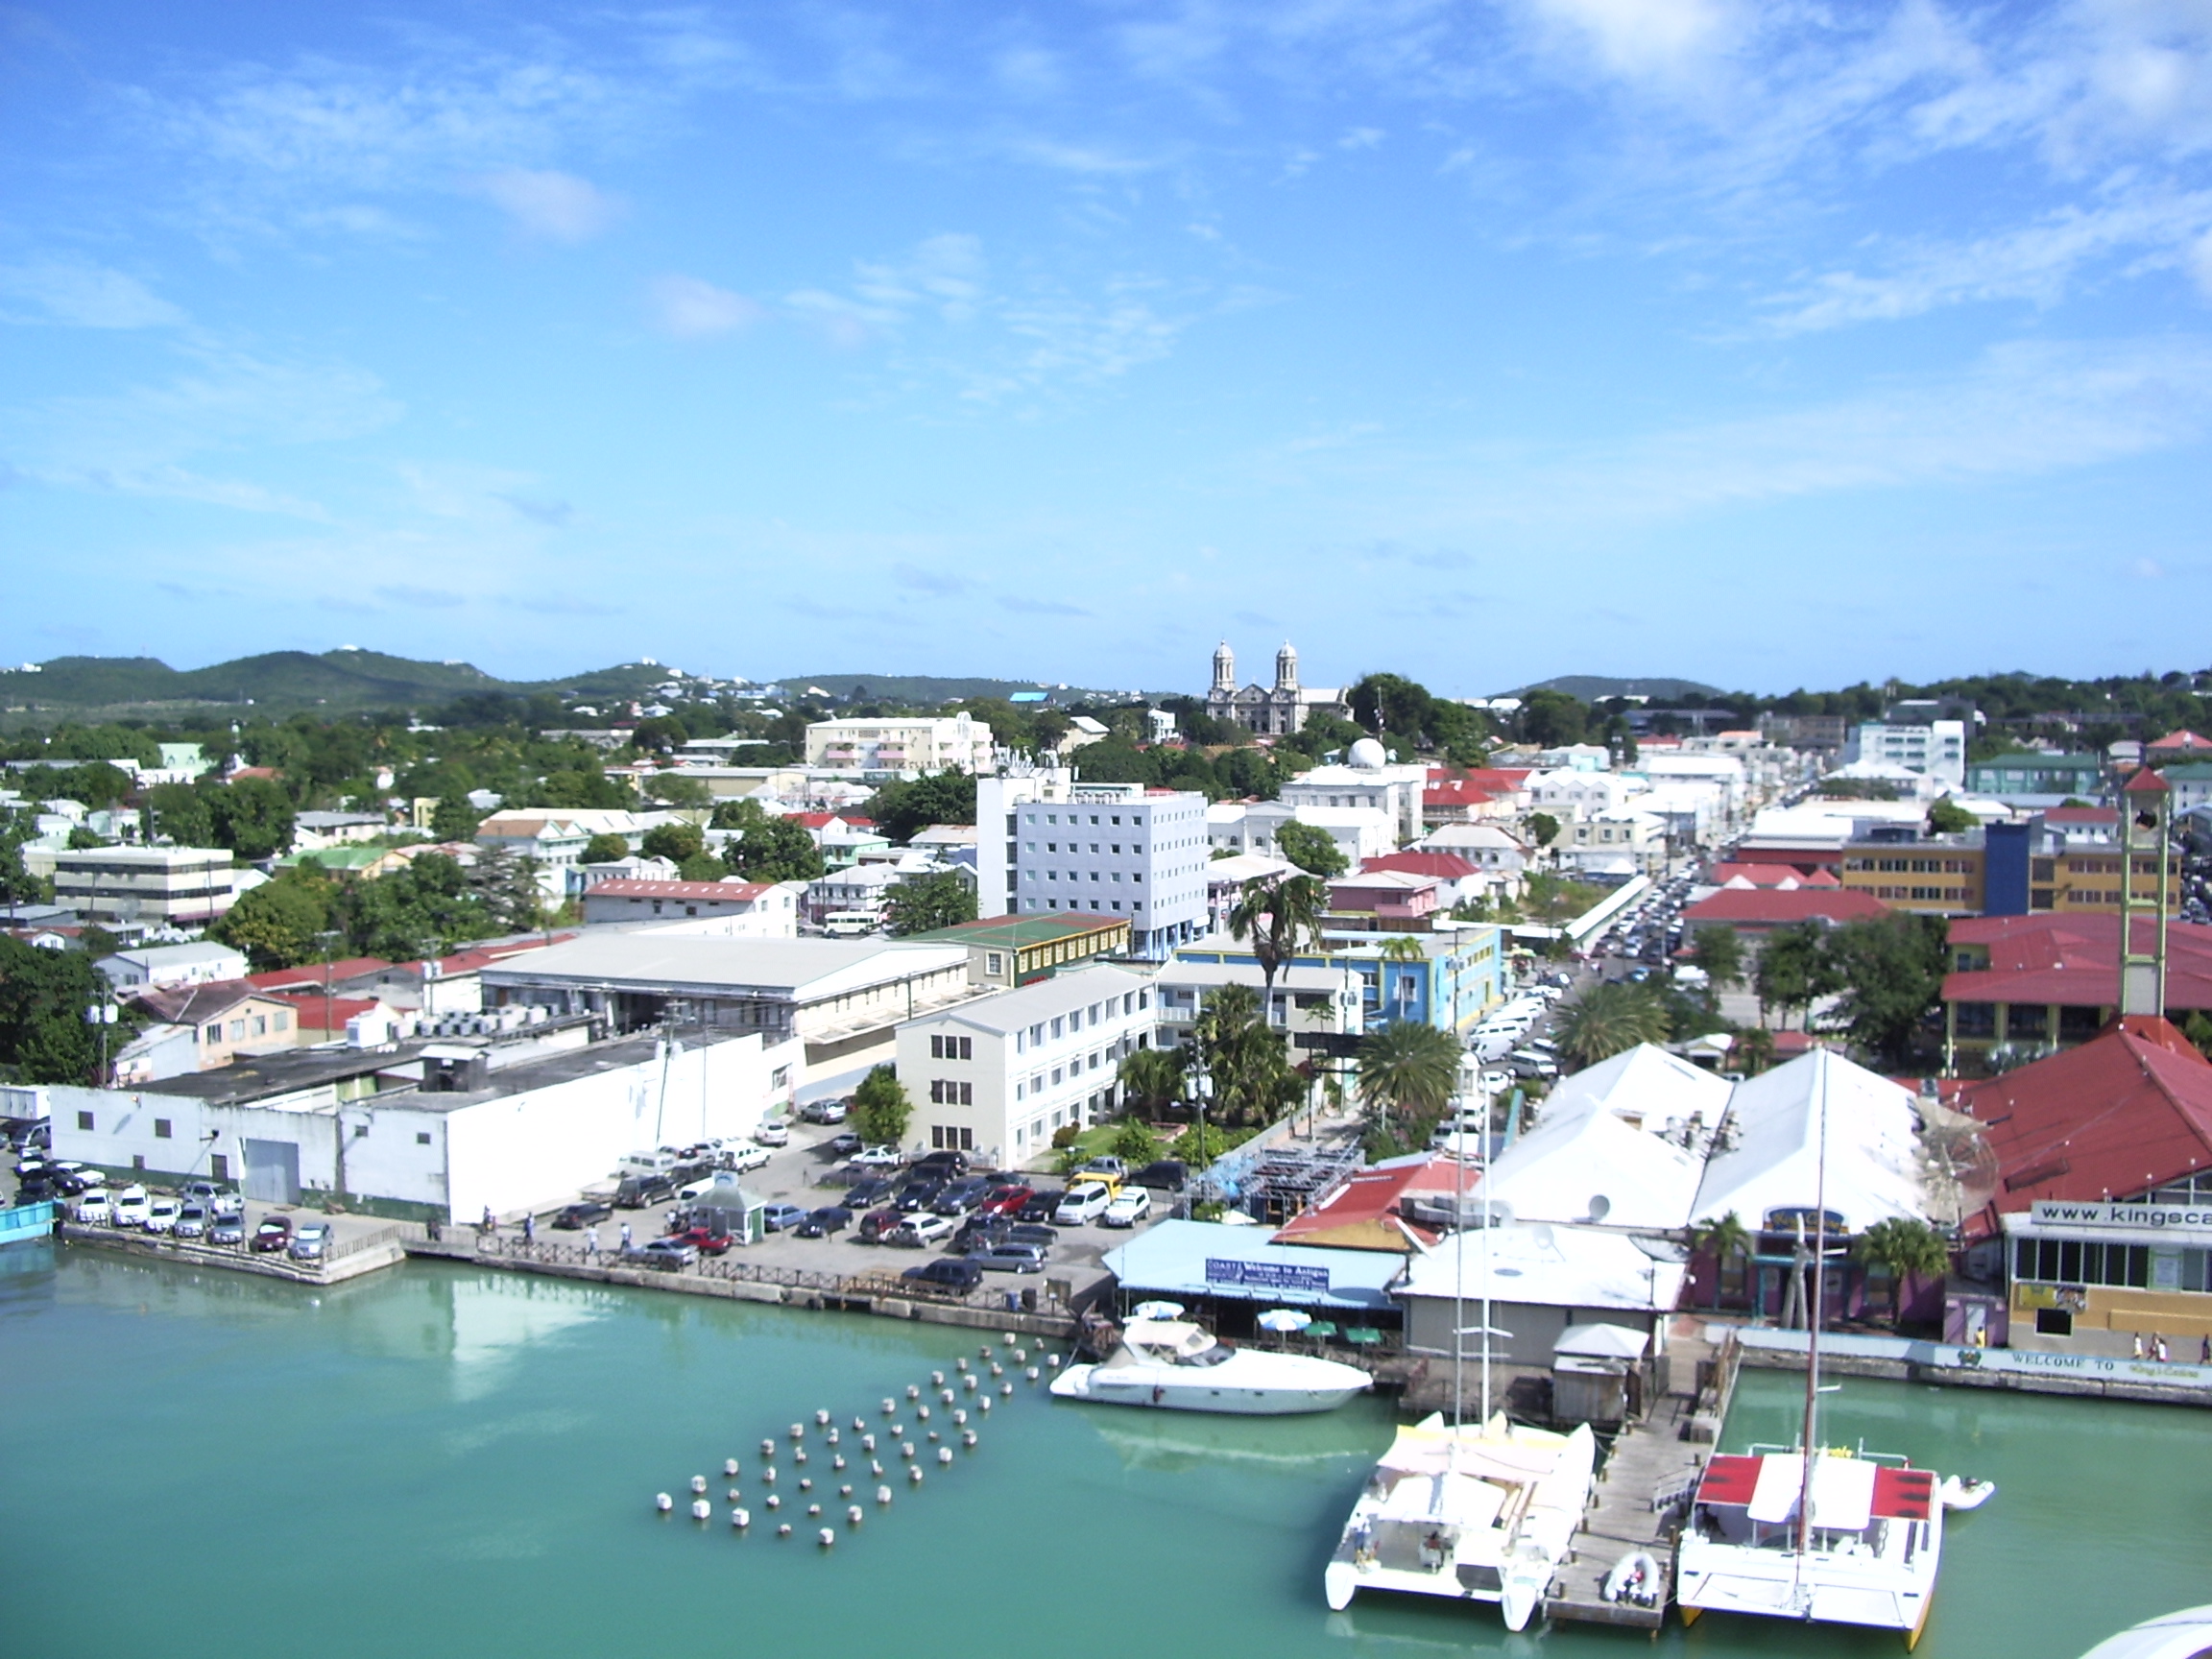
[946, 1397]
[859, 1424]
[997, 1369]
[936, 1379]
[1009, 1339]
[769, 1474]
[798, 1430]
[740, 1519]
[663, 1502]
[898, 1431]
[698, 1482]
[875, 1468]
[734, 1494]
[1005, 1387]
[905, 1447]
[961, 1364]
[844, 1491]
[933, 1436]
[967, 1438]
[702, 1509]
[774, 1501]
[867, 1442]
[767, 1448]
[984, 1404]
[882, 1494]
[915, 1474]
[1031, 1373]
[912, 1392]
[807, 1485]
[985, 1352]
[1053, 1360]
[784, 1531]
[837, 1462]
[852, 1515]
[959, 1416]
[944, 1456]
[821, 1419]
[813, 1508]
[968, 1382]
[889, 1407]
[730, 1467]
[924, 1413]
[799, 1457]
[832, 1436]
[1020, 1356]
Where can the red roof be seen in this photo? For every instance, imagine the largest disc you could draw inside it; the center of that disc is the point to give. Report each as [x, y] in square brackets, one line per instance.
[1455, 792]
[1444, 866]
[1729, 1480]
[1779, 906]
[2184, 740]
[2122, 1113]
[2144, 782]
[815, 820]
[1771, 875]
[1363, 1213]
[309, 975]
[725, 891]
[2072, 960]
[318, 1013]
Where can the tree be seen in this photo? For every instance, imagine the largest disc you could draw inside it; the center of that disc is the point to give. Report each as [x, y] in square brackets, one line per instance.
[1611, 1019]
[455, 818]
[276, 923]
[659, 735]
[678, 790]
[179, 813]
[18, 885]
[903, 811]
[1753, 1051]
[1552, 719]
[701, 867]
[1544, 827]
[1313, 851]
[1408, 1073]
[924, 903]
[1906, 1248]
[1278, 915]
[1890, 970]
[43, 1034]
[254, 818]
[1151, 1078]
[674, 842]
[1724, 1237]
[1717, 949]
[1946, 817]
[1795, 970]
[504, 882]
[881, 1109]
[1242, 1054]
[1134, 1143]
[770, 849]
[605, 849]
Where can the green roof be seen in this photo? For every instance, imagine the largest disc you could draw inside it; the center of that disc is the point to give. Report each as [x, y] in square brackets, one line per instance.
[2027, 760]
[1018, 932]
[339, 857]
[2196, 772]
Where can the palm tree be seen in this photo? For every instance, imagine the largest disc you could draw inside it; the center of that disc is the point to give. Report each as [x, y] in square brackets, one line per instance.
[1609, 1019]
[1403, 947]
[1725, 1237]
[1278, 915]
[1151, 1077]
[1907, 1248]
[1407, 1071]
[1244, 1057]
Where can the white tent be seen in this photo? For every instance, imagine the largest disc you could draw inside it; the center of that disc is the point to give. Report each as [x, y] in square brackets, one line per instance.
[1770, 1145]
[1591, 1166]
[1646, 1088]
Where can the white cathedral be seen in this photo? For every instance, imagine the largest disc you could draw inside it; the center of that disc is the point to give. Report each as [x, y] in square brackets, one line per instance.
[1269, 713]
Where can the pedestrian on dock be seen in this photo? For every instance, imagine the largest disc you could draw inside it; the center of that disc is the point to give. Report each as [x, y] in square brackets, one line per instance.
[529, 1229]
[2204, 1352]
[592, 1245]
[490, 1224]
[625, 1237]
[2138, 1344]
[2161, 1341]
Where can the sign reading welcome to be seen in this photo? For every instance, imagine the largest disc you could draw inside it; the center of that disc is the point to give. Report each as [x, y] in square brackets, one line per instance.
[1265, 1275]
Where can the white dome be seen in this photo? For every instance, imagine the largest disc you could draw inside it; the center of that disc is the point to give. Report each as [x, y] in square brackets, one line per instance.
[1367, 756]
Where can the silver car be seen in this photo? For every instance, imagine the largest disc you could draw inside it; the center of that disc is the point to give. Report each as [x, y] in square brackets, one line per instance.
[311, 1242]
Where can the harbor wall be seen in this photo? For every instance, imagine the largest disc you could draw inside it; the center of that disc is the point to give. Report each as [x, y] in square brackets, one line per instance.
[1904, 1360]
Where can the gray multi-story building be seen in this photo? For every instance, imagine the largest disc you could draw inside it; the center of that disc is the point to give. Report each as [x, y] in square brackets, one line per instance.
[185, 887]
[1112, 849]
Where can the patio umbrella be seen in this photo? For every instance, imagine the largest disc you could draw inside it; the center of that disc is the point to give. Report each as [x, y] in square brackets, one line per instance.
[1157, 1310]
[1286, 1320]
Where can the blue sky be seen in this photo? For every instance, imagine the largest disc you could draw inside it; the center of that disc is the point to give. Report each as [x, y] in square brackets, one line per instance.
[1768, 344]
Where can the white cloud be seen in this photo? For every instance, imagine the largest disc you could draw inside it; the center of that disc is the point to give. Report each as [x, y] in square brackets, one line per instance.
[1641, 39]
[690, 308]
[87, 295]
[559, 206]
[2201, 263]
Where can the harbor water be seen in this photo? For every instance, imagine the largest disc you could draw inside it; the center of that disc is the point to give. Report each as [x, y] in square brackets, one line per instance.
[447, 1461]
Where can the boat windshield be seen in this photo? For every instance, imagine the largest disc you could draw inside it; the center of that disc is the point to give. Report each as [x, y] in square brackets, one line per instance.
[1212, 1356]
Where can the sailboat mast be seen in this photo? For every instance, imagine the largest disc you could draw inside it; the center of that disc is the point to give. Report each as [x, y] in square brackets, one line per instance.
[1817, 1312]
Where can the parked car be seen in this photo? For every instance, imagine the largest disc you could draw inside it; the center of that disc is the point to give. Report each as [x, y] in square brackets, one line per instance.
[824, 1111]
[92, 1210]
[919, 1232]
[706, 1242]
[919, 1195]
[737, 1159]
[960, 1197]
[1130, 1206]
[979, 1232]
[311, 1242]
[1105, 1167]
[1042, 1205]
[191, 1222]
[670, 1254]
[227, 1205]
[778, 1216]
[201, 1192]
[820, 1224]
[773, 1133]
[129, 1207]
[877, 1158]
[843, 1145]
[877, 1226]
[868, 1194]
[1163, 1175]
[1006, 1198]
[1029, 1233]
[228, 1230]
[1085, 1201]
[584, 1214]
[637, 1192]
[943, 1164]
[80, 1181]
[1009, 1258]
[955, 1274]
[273, 1234]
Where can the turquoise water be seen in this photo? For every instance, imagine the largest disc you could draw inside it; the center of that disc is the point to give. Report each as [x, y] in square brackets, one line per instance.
[440, 1460]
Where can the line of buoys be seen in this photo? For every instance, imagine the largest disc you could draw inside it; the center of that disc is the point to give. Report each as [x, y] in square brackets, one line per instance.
[702, 1509]
[663, 1502]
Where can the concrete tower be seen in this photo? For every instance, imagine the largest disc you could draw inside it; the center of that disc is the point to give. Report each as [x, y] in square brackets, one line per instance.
[1224, 668]
[2145, 850]
[1287, 668]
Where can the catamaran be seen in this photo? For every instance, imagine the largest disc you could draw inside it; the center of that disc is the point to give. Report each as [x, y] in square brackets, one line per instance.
[1476, 1514]
[1174, 1365]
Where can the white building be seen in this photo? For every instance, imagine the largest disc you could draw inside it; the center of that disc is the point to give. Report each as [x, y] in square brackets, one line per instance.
[165, 965]
[1117, 849]
[1495, 850]
[1614, 844]
[1936, 751]
[757, 910]
[1368, 780]
[1540, 1279]
[1360, 833]
[917, 743]
[997, 1074]
[1769, 1165]
[856, 896]
[185, 887]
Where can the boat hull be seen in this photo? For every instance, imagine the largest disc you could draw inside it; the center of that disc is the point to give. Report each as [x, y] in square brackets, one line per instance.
[1144, 1387]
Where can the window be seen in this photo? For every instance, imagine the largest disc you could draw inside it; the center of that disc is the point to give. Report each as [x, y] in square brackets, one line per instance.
[951, 1139]
[160, 1128]
[421, 1137]
[360, 1131]
[84, 1120]
[951, 1047]
[1059, 1026]
[213, 1033]
[283, 1020]
[991, 962]
[260, 1024]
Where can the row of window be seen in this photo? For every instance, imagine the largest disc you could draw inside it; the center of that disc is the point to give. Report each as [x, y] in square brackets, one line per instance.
[944, 1092]
[1136, 876]
[164, 1129]
[2127, 1266]
[1928, 894]
[255, 1025]
[1067, 1024]
[1134, 904]
[942, 1048]
[1912, 866]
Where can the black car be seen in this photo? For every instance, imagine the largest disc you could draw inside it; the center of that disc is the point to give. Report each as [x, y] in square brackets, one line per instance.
[948, 1273]
[942, 1166]
[978, 1231]
[960, 1197]
[1163, 1175]
[867, 1194]
[575, 1216]
[821, 1223]
[1043, 1204]
[637, 1192]
[919, 1195]
[843, 1145]
[1029, 1233]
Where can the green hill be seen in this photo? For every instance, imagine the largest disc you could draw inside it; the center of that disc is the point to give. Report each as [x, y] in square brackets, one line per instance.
[1596, 687]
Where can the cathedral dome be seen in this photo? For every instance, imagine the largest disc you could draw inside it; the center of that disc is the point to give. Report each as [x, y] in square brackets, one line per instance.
[1367, 756]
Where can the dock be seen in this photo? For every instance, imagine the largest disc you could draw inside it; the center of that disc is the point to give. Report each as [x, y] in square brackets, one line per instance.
[1644, 1489]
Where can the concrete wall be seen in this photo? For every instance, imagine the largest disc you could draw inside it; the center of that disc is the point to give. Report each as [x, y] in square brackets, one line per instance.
[1535, 1327]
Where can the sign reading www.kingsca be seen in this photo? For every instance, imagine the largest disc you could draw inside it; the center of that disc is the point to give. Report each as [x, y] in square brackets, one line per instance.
[2144, 1217]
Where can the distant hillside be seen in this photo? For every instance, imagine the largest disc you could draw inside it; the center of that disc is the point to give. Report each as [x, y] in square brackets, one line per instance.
[1596, 687]
[927, 688]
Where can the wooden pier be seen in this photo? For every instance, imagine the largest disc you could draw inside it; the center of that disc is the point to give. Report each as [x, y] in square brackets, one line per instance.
[1644, 1489]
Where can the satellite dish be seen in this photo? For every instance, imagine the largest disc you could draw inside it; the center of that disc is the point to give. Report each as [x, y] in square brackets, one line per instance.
[1599, 1206]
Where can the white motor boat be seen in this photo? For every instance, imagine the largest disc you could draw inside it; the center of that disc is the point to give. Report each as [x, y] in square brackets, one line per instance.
[1173, 1365]
[1964, 1491]
[2183, 1635]
[1473, 1514]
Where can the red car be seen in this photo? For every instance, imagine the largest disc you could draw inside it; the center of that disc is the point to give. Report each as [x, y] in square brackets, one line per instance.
[1006, 1200]
[705, 1242]
[274, 1234]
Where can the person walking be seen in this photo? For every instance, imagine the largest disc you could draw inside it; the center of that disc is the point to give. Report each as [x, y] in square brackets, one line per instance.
[2204, 1352]
[2161, 1349]
[490, 1224]
[625, 1237]
[529, 1229]
[592, 1245]
[2138, 1344]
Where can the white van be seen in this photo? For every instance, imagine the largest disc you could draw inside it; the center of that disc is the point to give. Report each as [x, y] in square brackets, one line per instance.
[851, 924]
[645, 1163]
